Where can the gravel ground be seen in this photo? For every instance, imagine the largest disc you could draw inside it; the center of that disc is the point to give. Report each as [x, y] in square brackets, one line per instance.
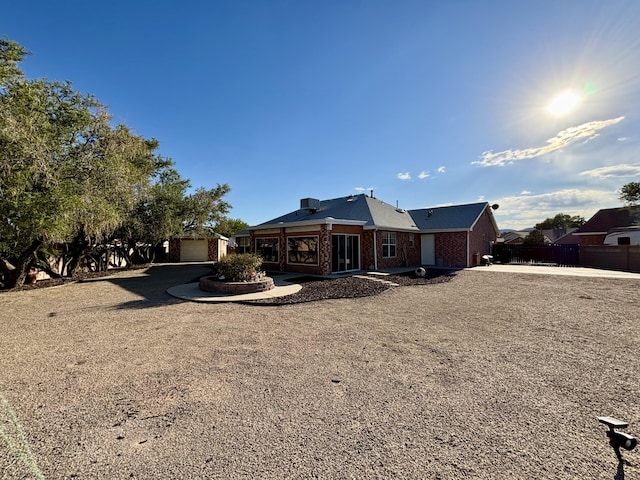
[351, 287]
[481, 376]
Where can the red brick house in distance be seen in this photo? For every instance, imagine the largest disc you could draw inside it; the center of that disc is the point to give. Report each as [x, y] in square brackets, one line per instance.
[361, 232]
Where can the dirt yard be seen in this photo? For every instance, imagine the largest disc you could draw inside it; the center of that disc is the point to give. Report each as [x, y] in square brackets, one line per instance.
[486, 376]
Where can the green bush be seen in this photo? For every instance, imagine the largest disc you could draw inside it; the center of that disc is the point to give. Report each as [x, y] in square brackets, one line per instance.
[242, 267]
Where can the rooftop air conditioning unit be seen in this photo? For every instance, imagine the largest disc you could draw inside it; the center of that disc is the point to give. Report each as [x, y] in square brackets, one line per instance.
[312, 204]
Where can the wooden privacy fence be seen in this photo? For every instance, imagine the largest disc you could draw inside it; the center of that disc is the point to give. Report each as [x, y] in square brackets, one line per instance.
[611, 257]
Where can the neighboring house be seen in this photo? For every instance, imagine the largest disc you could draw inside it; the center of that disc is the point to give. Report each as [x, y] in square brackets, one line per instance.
[554, 235]
[568, 239]
[198, 249]
[594, 231]
[514, 238]
[362, 232]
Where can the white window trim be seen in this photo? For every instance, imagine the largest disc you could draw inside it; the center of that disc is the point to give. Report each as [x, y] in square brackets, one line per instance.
[386, 237]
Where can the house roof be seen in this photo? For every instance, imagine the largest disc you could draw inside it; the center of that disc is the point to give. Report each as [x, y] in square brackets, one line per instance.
[511, 237]
[200, 236]
[568, 239]
[608, 218]
[450, 218]
[554, 234]
[374, 213]
[354, 209]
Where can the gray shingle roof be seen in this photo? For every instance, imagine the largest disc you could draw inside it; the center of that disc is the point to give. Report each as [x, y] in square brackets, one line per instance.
[345, 208]
[374, 212]
[378, 214]
[451, 218]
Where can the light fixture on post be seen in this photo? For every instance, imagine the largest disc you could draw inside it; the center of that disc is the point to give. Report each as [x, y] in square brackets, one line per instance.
[618, 439]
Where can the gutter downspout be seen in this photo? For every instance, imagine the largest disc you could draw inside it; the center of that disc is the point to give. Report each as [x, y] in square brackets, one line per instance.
[375, 250]
[468, 249]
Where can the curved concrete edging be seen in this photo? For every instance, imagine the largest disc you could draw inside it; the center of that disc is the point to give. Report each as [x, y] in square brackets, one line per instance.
[192, 292]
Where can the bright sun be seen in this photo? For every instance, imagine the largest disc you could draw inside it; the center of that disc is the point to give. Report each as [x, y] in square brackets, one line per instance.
[564, 103]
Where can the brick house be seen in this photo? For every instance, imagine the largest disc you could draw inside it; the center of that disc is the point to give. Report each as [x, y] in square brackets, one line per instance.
[361, 232]
[594, 231]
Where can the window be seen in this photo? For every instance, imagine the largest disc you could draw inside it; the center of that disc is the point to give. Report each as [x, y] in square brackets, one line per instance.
[302, 250]
[388, 244]
[411, 241]
[244, 244]
[267, 248]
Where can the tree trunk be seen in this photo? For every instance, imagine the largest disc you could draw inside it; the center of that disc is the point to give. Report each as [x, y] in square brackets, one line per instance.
[45, 266]
[76, 250]
[16, 276]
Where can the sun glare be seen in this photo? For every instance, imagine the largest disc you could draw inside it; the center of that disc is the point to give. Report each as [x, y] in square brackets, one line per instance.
[564, 103]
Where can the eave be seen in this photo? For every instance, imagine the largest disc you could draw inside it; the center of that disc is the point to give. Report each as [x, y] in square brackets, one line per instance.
[308, 223]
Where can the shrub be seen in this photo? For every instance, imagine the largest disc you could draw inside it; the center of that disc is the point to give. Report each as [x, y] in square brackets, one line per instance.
[242, 267]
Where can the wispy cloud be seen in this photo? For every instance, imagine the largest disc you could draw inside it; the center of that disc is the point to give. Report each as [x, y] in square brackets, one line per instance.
[524, 211]
[422, 175]
[615, 171]
[362, 189]
[525, 192]
[563, 139]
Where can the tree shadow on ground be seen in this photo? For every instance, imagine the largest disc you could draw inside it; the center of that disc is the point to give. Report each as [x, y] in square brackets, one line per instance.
[152, 284]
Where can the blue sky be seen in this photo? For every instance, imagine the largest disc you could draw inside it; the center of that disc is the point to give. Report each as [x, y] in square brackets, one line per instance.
[427, 102]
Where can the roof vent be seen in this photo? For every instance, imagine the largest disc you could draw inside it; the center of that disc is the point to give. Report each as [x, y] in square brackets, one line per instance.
[311, 204]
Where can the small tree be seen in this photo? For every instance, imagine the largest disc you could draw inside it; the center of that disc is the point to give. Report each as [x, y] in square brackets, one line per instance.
[239, 268]
[630, 193]
[534, 238]
[561, 220]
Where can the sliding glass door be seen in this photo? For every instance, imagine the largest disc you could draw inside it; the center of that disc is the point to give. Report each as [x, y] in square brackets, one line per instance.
[345, 252]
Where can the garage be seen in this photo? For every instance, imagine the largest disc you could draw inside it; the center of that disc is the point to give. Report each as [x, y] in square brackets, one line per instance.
[196, 250]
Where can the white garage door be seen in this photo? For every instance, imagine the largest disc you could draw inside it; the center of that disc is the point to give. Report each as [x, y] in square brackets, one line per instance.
[194, 250]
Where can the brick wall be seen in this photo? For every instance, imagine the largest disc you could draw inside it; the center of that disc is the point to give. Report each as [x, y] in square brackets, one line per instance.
[591, 240]
[324, 253]
[482, 236]
[212, 249]
[451, 249]
[366, 249]
[406, 256]
[282, 251]
[174, 250]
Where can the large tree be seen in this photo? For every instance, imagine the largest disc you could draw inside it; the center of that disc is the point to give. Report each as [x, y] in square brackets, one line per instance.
[630, 193]
[42, 126]
[69, 180]
[230, 226]
[157, 214]
[561, 220]
[204, 208]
